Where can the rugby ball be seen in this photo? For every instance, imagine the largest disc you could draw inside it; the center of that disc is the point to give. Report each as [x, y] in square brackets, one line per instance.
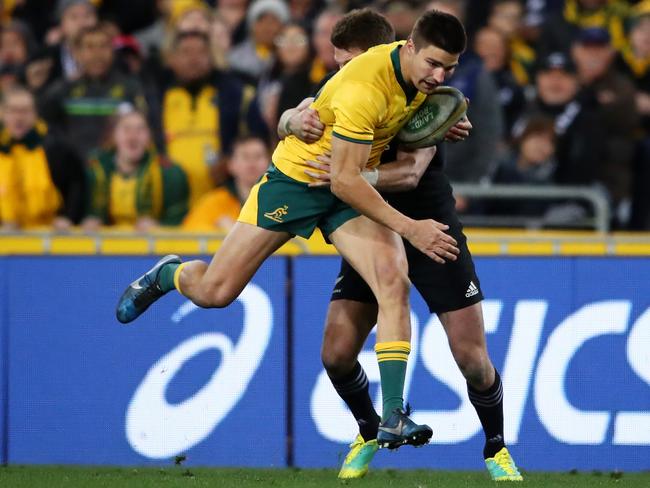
[432, 120]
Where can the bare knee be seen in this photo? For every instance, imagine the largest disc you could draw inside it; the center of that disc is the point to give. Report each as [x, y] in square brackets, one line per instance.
[393, 284]
[474, 364]
[214, 295]
[338, 355]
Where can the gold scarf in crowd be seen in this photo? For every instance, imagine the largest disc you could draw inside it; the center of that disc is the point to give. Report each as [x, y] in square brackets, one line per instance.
[148, 188]
[610, 17]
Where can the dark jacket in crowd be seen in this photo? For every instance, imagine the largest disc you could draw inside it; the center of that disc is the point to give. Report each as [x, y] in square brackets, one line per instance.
[79, 110]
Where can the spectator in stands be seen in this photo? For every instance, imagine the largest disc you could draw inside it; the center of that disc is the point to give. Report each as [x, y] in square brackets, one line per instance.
[130, 184]
[128, 55]
[74, 17]
[233, 12]
[506, 16]
[492, 47]
[194, 18]
[16, 44]
[323, 61]
[634, 60]
[41, 179]
[532, 159]
[613, 97]
[402, 15]
[255, 55]
[288, 82]
[79, 109]
[220, 207]
[202, 112]
[532, 162]
[220, 41]
[475, 159]
[305, 11]
[561, 28]
[580, 136]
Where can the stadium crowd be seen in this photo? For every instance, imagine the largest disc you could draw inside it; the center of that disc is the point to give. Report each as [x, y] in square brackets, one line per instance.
[147, 113]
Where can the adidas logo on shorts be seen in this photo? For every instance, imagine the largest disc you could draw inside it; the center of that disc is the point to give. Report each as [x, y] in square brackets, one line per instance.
[472, 290]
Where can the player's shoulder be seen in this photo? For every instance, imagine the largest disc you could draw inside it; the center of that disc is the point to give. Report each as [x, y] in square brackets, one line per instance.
[372, 65]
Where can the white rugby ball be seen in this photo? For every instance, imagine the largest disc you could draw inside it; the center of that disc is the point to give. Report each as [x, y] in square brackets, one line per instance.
[432, 120]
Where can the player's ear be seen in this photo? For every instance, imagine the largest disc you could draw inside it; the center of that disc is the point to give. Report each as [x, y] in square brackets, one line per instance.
[410, 45]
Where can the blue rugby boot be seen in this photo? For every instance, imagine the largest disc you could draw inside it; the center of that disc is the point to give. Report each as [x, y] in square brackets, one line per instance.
[142, 292]
[399, 429]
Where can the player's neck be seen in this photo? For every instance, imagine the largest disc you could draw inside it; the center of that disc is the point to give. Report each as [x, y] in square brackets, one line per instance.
[404, 65]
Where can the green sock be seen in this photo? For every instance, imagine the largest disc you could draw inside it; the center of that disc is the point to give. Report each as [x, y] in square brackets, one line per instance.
[392, 358]
[166, 276]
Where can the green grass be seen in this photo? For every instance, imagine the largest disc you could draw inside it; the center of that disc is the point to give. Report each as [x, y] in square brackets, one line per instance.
[58, 476]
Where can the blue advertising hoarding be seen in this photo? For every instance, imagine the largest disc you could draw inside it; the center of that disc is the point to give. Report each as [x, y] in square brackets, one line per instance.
[571, 338]
[4, 349]
[178, 381]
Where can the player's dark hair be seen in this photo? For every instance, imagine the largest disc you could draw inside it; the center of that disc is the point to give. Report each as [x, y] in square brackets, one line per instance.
[362, 29]
[441, 30]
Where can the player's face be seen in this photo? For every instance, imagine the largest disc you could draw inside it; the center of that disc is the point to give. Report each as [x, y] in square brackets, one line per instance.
[343, 56]
[429, 66]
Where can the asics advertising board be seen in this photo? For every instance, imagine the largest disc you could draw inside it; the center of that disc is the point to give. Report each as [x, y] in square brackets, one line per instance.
[4, 351]
[179, 381]
[571, 338]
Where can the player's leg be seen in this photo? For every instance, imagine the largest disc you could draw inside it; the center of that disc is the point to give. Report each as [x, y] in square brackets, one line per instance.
[242, 252]
[377, 254]
[466, 336]
[346, 329]
[256, 235]
[215, 285]
[452, 291]
[351, 315]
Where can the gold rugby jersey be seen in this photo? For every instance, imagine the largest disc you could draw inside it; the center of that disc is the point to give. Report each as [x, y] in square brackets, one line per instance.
[366, 102]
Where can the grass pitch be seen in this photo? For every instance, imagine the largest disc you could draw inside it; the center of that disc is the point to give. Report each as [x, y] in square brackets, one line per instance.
[59, 476]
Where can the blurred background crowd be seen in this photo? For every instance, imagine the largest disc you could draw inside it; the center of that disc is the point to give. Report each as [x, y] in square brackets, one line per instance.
[149, 113]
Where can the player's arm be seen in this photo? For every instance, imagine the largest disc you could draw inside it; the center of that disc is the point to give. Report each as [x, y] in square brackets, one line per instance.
[302, 121]
[348, 160]
[403, 174]
[347, 183]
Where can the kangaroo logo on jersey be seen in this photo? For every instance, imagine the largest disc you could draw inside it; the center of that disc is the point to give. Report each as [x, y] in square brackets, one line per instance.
[277, 214]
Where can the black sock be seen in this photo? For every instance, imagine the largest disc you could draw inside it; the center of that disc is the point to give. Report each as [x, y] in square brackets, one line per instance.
[353, 389]
[489, 407]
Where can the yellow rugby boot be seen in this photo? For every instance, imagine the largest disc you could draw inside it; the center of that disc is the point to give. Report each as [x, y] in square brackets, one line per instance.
[502, 467]
[357, 461]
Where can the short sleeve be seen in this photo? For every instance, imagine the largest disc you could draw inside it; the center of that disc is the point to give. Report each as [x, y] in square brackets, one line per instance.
[358, 109]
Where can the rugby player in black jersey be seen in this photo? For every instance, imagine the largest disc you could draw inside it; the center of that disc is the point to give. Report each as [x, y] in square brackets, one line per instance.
[415, 184]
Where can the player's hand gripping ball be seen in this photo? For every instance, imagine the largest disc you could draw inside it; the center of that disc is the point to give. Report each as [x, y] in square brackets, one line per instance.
[432, 120]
